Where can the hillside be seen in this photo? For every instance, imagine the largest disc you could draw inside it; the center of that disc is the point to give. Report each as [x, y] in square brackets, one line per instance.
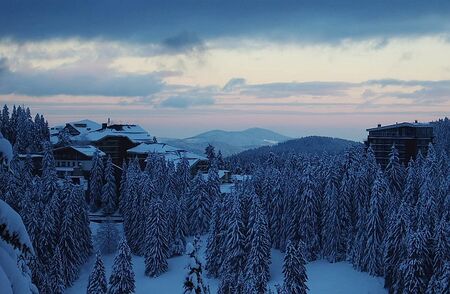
[229, 142]
[305, 145]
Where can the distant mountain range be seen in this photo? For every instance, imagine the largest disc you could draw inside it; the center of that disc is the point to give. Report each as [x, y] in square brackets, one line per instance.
[228, 142]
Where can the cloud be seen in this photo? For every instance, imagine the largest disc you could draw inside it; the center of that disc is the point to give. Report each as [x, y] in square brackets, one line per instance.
[66, 82]
[184, 42]
[3, 66]
[428, 92]
[288, 89]
[234, 84]
[152, 21]
[186, 102]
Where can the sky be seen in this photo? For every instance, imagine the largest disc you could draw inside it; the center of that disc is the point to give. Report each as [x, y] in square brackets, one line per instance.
[332, 68]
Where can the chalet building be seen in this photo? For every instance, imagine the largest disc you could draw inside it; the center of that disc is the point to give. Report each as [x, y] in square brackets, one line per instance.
[75, 162]
[408, 138]
[196, 162]
[115, 140]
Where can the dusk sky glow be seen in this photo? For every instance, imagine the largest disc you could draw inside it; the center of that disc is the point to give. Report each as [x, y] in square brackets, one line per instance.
[179, 68]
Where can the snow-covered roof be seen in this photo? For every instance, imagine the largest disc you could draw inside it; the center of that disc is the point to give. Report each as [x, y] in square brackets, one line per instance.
[134, 133]
[220, 172]
[87, 150]
[170, 153]
[145, 148]
[403, 124]
[85, 125]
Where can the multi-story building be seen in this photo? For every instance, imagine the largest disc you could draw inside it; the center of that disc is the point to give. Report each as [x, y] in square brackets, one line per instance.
[75, 162]
[408, 138]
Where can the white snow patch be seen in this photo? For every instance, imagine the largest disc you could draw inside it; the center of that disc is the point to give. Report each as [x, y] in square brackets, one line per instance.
[323, 277]
[6, 151]
[271, 141]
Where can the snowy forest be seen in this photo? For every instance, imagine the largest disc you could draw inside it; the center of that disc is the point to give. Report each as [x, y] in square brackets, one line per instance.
[392, 223]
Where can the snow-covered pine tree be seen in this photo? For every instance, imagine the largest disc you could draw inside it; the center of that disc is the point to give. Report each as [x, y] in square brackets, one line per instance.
[56, 281]
[410, 191]
[97, 279]
[109, 198]
[441, 251]
[183, 176]
[178, 244]
[395, 174]
[210, 152]
[445, 278]
[309, 230]
[396, 250]
[294, 270]
[375, 228]
[414, 265]
[233, 248]
[63, 138]
[257, 271]
[276, 210]
[70, 237]
[194, 282]
[331, 225]
[96, 181]
[122, 279]
[123, 189]
[157, 248]
[346, 213]
[107, 237]
[214, 245]
[199, 207]
[213, 182]
[49, 177]
[14, 242]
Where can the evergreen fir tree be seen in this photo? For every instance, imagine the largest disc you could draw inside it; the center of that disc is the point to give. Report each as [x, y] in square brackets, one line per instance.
[396, 251]
[233, 248]
[56, 281]
[375, 228]
[331, 226]
[395, 174]
[97, 279]
[294, 270]
[214, 244]
[194, 282]
[107, 237]
[96, 181]
[156, 253]
[122, 279]
[257, 270]
[109, 189]
[70, 239]
[199, 207]
[183, 176]
[445, 278]
[414, 265]
[309, 229]
[179, 239]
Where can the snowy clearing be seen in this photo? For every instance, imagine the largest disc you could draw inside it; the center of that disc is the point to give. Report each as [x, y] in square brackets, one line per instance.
[323, 277]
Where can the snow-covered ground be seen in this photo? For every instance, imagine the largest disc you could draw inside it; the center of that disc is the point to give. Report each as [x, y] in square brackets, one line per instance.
[323, 277]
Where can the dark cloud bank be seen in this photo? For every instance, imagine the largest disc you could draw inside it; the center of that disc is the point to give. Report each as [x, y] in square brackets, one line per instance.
[165, 21]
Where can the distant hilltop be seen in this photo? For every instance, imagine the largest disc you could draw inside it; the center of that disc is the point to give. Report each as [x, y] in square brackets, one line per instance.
[228, 142]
